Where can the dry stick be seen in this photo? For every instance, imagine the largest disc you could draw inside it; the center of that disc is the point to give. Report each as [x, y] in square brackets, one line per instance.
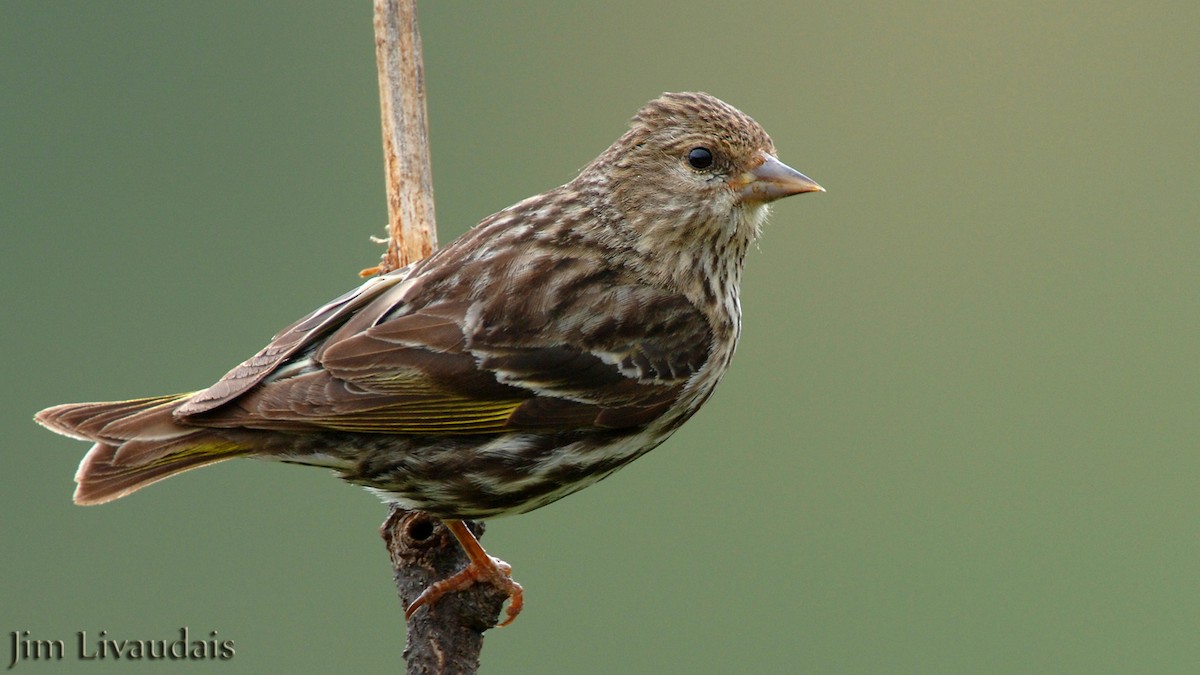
[447, 636]
[412, 229]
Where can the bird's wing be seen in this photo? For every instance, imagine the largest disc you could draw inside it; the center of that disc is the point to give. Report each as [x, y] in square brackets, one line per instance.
[289, 342]
[616, 358]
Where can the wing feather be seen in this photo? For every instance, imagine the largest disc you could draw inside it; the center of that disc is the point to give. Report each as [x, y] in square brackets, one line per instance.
[383, 361]
[290, 341]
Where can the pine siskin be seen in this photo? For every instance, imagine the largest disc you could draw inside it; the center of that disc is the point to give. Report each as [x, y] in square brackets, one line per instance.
[551, 345]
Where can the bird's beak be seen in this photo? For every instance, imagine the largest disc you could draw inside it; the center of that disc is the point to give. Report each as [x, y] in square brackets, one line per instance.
[771, 180]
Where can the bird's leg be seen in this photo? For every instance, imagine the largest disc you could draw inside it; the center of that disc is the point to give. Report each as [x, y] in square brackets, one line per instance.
[481, 568]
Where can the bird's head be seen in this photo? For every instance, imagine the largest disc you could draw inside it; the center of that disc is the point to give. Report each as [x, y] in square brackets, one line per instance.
[694, 172]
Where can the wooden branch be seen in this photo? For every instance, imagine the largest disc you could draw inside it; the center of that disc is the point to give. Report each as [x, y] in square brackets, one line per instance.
[412, 228]
[447, 636]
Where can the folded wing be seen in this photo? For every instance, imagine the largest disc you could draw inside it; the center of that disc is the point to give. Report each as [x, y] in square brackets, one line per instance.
[387, 364]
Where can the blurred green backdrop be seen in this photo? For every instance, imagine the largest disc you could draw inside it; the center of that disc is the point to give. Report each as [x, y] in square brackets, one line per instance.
[960, 435]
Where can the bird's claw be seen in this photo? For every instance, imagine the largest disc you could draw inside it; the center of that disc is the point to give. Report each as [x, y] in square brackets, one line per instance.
[495, 572]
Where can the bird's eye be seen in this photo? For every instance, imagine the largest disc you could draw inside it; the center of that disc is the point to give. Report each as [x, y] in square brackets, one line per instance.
[700, 158]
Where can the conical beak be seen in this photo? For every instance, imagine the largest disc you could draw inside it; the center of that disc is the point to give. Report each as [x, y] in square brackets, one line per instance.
[771, 180]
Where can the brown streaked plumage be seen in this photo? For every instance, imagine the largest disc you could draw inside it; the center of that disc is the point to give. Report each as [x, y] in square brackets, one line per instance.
[552, 344]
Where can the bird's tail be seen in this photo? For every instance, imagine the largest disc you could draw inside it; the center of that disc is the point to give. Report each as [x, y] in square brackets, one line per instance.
[137, 443]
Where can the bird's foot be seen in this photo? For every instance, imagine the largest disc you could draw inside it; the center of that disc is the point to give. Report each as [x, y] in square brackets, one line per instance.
[482, 568]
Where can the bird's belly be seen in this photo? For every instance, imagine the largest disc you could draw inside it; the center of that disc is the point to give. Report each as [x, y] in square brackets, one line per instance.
[483, 476]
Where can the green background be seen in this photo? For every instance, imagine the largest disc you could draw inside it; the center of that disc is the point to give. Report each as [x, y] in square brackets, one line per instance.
[960, 434]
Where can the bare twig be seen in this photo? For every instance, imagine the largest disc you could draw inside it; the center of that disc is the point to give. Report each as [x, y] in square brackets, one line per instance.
[412, 229]
[447, 636]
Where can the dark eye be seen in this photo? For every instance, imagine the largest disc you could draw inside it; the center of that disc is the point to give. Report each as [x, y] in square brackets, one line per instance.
[700, 158]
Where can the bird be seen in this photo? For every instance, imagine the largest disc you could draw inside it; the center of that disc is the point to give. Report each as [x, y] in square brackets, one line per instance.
[549, 346]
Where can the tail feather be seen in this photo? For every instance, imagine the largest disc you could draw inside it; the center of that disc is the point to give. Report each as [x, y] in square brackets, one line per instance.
[137, 443]
[87, 421]
[102, 477]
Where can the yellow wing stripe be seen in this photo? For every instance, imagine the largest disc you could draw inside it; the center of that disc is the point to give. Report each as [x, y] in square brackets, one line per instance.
[449, 416]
